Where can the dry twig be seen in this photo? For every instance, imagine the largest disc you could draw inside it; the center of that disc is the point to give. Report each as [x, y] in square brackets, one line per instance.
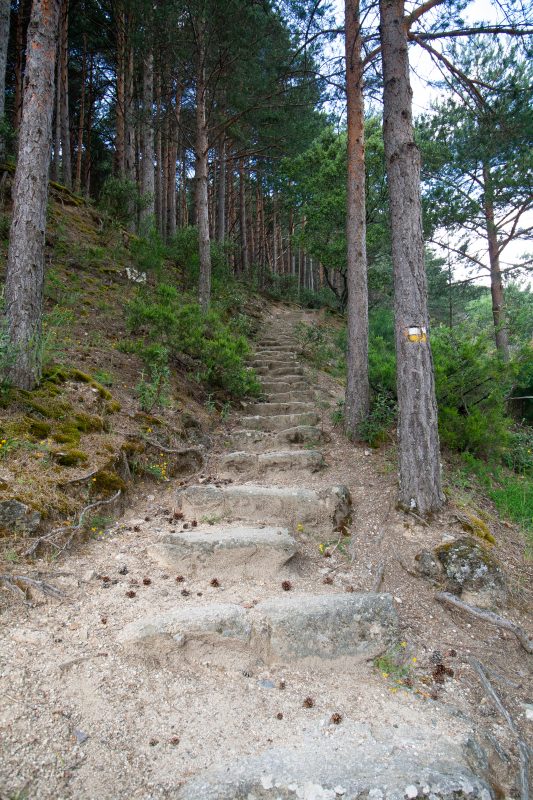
[15, 583]
[523, 749]
[50, 538]
[379, 577]
[488, 616]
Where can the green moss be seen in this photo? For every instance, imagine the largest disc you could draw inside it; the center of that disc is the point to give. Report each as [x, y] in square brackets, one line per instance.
[112, 407]
[39, 429]
[132, 448]
[105, 481]
[88, 423]
[71, 458]
[476, 526]
[48, 407]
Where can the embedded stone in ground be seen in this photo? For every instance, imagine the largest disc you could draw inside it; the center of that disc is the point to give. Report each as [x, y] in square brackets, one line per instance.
[378, 763]
[243, 551]
[286, 384]
[359, 626]
[280, 422]
[317, 629]
[323, 510]
[254, 464]
[272, 409]
[261, 441]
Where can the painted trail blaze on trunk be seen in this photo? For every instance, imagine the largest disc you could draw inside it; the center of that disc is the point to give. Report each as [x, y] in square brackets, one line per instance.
[419, 457]
[25, 262]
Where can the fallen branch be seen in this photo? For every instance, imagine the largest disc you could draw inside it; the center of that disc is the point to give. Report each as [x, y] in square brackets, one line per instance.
[523, 749]
[16, 582]
[74, 661]
[72, 530]
[488, 616]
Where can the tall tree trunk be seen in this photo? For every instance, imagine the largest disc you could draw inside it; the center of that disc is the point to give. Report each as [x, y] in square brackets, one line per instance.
[81, 122]
[242, 220]
[56, 161]
[120, 111]
[357, 398]
[184, 206]
[221, 199]
[202, 177]
[66, 161]
[25, 261]
[147, 143]
[158, 154]
[496, 283]
[5, 7]
[130, 158]
[20, 38]
[419, 458]
[88, 130]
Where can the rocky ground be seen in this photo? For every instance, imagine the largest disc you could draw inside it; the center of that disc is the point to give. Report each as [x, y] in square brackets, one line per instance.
[248, 634]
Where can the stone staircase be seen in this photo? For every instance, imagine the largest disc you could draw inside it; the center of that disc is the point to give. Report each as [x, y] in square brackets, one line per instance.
[248, 528]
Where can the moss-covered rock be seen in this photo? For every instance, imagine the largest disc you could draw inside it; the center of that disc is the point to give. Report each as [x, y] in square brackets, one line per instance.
[71, 458]
[107, 481]
[476, 526]
[471, 569]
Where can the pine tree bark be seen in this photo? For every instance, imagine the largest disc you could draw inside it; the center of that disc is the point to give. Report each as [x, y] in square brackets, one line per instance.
[66, 161]
[147, 143]
[120, 111]
[20, 38]
[496, 284]
[5, 8]
[419, 458]
[130, 159]
[202, 176]
[221, 193]
[357, 398]
[245, 259]
[81, 121]
[25, 261]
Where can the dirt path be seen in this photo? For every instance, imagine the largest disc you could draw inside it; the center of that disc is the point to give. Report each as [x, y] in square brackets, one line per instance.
[231, 626]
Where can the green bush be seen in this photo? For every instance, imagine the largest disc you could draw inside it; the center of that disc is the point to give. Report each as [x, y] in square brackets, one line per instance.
[376, 427]
[165, 318]
[121, 200]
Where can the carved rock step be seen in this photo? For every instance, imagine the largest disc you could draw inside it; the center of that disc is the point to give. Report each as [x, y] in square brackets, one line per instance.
[272, 409]
[280, 422]
[258, 464]
[261, 441]
[275, 372]
[285, 353]
[360, 761]
[288, 383]
[315, 628]
[324, 510]
[273, 363]
[244, 552]
[276, 341]
[297, 396]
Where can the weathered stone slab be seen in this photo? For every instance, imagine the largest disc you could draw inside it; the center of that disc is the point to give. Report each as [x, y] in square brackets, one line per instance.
[317, 629]
[328, 626]
[389, 764]
[280, 422]
[280, 372]
[258, 464]
[318, 511]
[261, 441]
[288, 383]
[272, 409]
[223, 550]
[224, 623]
[16, 517]
[296, 396]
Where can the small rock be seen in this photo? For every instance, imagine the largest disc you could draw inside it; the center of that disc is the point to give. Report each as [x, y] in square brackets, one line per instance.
[81, 736]
[266, 684]
[18, 517]
[411, 791]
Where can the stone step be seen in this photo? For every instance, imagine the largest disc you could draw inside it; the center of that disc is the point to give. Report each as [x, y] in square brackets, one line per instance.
[271, 409]
[258, 464]
[270, 363]
[288, 383]
[315, 629]
[297, 396]
[317, 511]
[260, 441]
[361, 760]
[285, 353]
[280, 372]
[236, 552]
[280, 422]
[276, 341]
